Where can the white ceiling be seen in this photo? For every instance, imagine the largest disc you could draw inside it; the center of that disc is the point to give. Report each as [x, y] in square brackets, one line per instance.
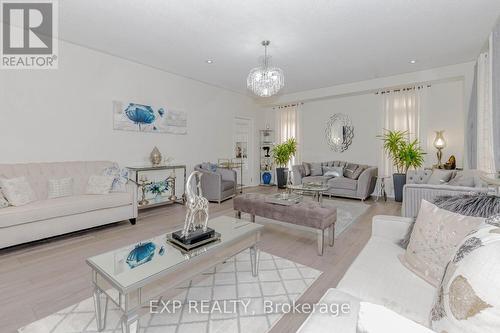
[317, 43]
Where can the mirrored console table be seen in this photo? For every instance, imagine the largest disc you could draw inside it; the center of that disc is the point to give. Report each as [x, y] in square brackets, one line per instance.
[159, 185]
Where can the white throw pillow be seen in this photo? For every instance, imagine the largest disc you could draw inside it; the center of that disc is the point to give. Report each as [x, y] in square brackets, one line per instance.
[99, 184]
[17, 191]
[333, 171]
[3, 202]
[434, 239]
[373, 318]
[62, 187]
[468, 299]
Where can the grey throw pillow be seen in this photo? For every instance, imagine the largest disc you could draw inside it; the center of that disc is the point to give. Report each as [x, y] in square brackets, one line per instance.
[353, 171]
[316, 169]
[406, 240]
[440, 177]
[307, 169]
[463, 179]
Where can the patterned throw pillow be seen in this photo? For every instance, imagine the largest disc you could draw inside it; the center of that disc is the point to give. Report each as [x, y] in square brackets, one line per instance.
[99, 184]
[353, 171]
[17, 191]
[468, 298]
[120, 178]
[3, 202]
[62, 187]
[435, 238]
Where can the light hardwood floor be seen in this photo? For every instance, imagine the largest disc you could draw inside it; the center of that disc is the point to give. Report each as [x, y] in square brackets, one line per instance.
[41, 278]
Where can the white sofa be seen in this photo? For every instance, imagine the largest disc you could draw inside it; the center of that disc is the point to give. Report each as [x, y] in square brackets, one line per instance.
[51, 217]
[377, 276]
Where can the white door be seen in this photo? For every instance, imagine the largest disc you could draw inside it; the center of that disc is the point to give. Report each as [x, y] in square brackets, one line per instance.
[243, 147]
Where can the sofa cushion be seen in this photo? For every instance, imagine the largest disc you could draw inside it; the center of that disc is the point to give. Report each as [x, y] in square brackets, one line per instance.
[52, 208]
[333, 171]
[38, 174]
[440, 177]
[17, 191]
[343, 183]
[316, 169]
[307, 169]
[377, 276]
[227, 185]
[435, 238]
[353, 171]
[316, 179]
[468, 297]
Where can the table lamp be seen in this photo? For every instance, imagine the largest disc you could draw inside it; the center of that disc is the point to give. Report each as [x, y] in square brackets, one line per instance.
[439, 144]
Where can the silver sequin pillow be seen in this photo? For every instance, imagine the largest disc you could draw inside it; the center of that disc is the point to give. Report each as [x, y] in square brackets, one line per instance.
[468, 298]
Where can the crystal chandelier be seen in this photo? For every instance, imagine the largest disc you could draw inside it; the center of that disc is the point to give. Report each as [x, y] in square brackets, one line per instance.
[265, 81]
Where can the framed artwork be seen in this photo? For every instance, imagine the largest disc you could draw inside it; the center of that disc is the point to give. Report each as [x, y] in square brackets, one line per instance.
[145, 118]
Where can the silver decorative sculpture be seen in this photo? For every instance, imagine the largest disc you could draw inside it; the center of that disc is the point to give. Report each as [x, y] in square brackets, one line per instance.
[197, 205]
[339, 132]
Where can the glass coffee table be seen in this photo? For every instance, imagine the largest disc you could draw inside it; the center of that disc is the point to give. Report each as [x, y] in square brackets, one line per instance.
[131, 289]
[315, 189]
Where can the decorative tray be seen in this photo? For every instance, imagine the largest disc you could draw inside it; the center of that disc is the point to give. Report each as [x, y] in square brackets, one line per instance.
[284, 199]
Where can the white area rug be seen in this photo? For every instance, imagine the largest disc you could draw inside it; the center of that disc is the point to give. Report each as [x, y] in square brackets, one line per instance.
[279, 280]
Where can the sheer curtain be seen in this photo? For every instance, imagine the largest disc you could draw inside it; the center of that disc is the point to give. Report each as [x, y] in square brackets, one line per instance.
[485, 154]
[402, 111]
[287, 126]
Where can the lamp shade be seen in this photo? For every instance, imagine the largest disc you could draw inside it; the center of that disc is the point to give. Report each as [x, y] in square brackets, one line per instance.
[439, 141]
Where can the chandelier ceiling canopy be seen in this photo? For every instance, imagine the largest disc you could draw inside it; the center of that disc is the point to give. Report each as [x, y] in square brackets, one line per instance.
[266, 80]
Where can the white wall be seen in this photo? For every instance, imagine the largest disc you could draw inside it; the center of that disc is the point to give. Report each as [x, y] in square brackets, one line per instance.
[66, 114]
[443, 109]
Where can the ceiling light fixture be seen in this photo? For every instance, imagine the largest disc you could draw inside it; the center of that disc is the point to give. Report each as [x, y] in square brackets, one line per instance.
[413, 62]
[265, 81]
[209, 61]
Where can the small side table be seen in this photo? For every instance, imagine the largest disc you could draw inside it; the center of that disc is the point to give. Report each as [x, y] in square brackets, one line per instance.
[381, 189]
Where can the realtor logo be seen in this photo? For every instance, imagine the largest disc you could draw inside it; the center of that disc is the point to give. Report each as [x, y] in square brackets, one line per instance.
[29, 34]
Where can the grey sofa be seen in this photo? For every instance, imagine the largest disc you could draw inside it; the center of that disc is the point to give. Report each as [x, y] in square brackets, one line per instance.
[218, 185]
[417, 187]
[358, 184]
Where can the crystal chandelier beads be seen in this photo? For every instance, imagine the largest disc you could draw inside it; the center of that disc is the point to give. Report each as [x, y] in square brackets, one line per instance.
[265, 81]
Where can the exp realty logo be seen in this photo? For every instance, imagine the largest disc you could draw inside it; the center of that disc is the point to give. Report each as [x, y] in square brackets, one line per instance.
[29, 34]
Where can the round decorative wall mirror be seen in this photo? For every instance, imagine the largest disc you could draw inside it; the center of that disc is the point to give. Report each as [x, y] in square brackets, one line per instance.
[339, 132]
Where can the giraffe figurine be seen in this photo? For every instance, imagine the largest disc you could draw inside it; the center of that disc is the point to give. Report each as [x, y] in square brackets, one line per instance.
[197, 205]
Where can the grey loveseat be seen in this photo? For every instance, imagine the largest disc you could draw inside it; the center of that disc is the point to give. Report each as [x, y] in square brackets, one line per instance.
[357, 180]
[421, 184]
[217, 184]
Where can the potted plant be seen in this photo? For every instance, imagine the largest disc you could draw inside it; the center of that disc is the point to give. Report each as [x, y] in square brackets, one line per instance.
[404, 154]
[282, 154]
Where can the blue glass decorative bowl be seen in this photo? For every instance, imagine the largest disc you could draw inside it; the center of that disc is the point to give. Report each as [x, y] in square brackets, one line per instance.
[141, 254]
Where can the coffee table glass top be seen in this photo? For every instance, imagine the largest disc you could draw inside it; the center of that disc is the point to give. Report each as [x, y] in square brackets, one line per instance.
[305, 187]
[114, 266]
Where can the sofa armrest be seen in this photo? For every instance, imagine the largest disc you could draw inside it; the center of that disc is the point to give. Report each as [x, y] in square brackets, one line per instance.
[366, 182]
[132, 190]
[297, 174]
[228, 174]
[414, 193]
[392, 228]
[211, 184]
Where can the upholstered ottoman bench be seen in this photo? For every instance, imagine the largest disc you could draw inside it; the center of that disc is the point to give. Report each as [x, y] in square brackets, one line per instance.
[306, 214]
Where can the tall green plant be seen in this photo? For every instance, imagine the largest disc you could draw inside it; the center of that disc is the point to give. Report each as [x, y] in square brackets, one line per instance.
[283, 152]
[404, 154]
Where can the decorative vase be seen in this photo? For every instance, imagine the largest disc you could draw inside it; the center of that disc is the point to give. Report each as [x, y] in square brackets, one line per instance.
[266, 178]
[158, 197]
[155, 157]
[399, 181]
[281, 177]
